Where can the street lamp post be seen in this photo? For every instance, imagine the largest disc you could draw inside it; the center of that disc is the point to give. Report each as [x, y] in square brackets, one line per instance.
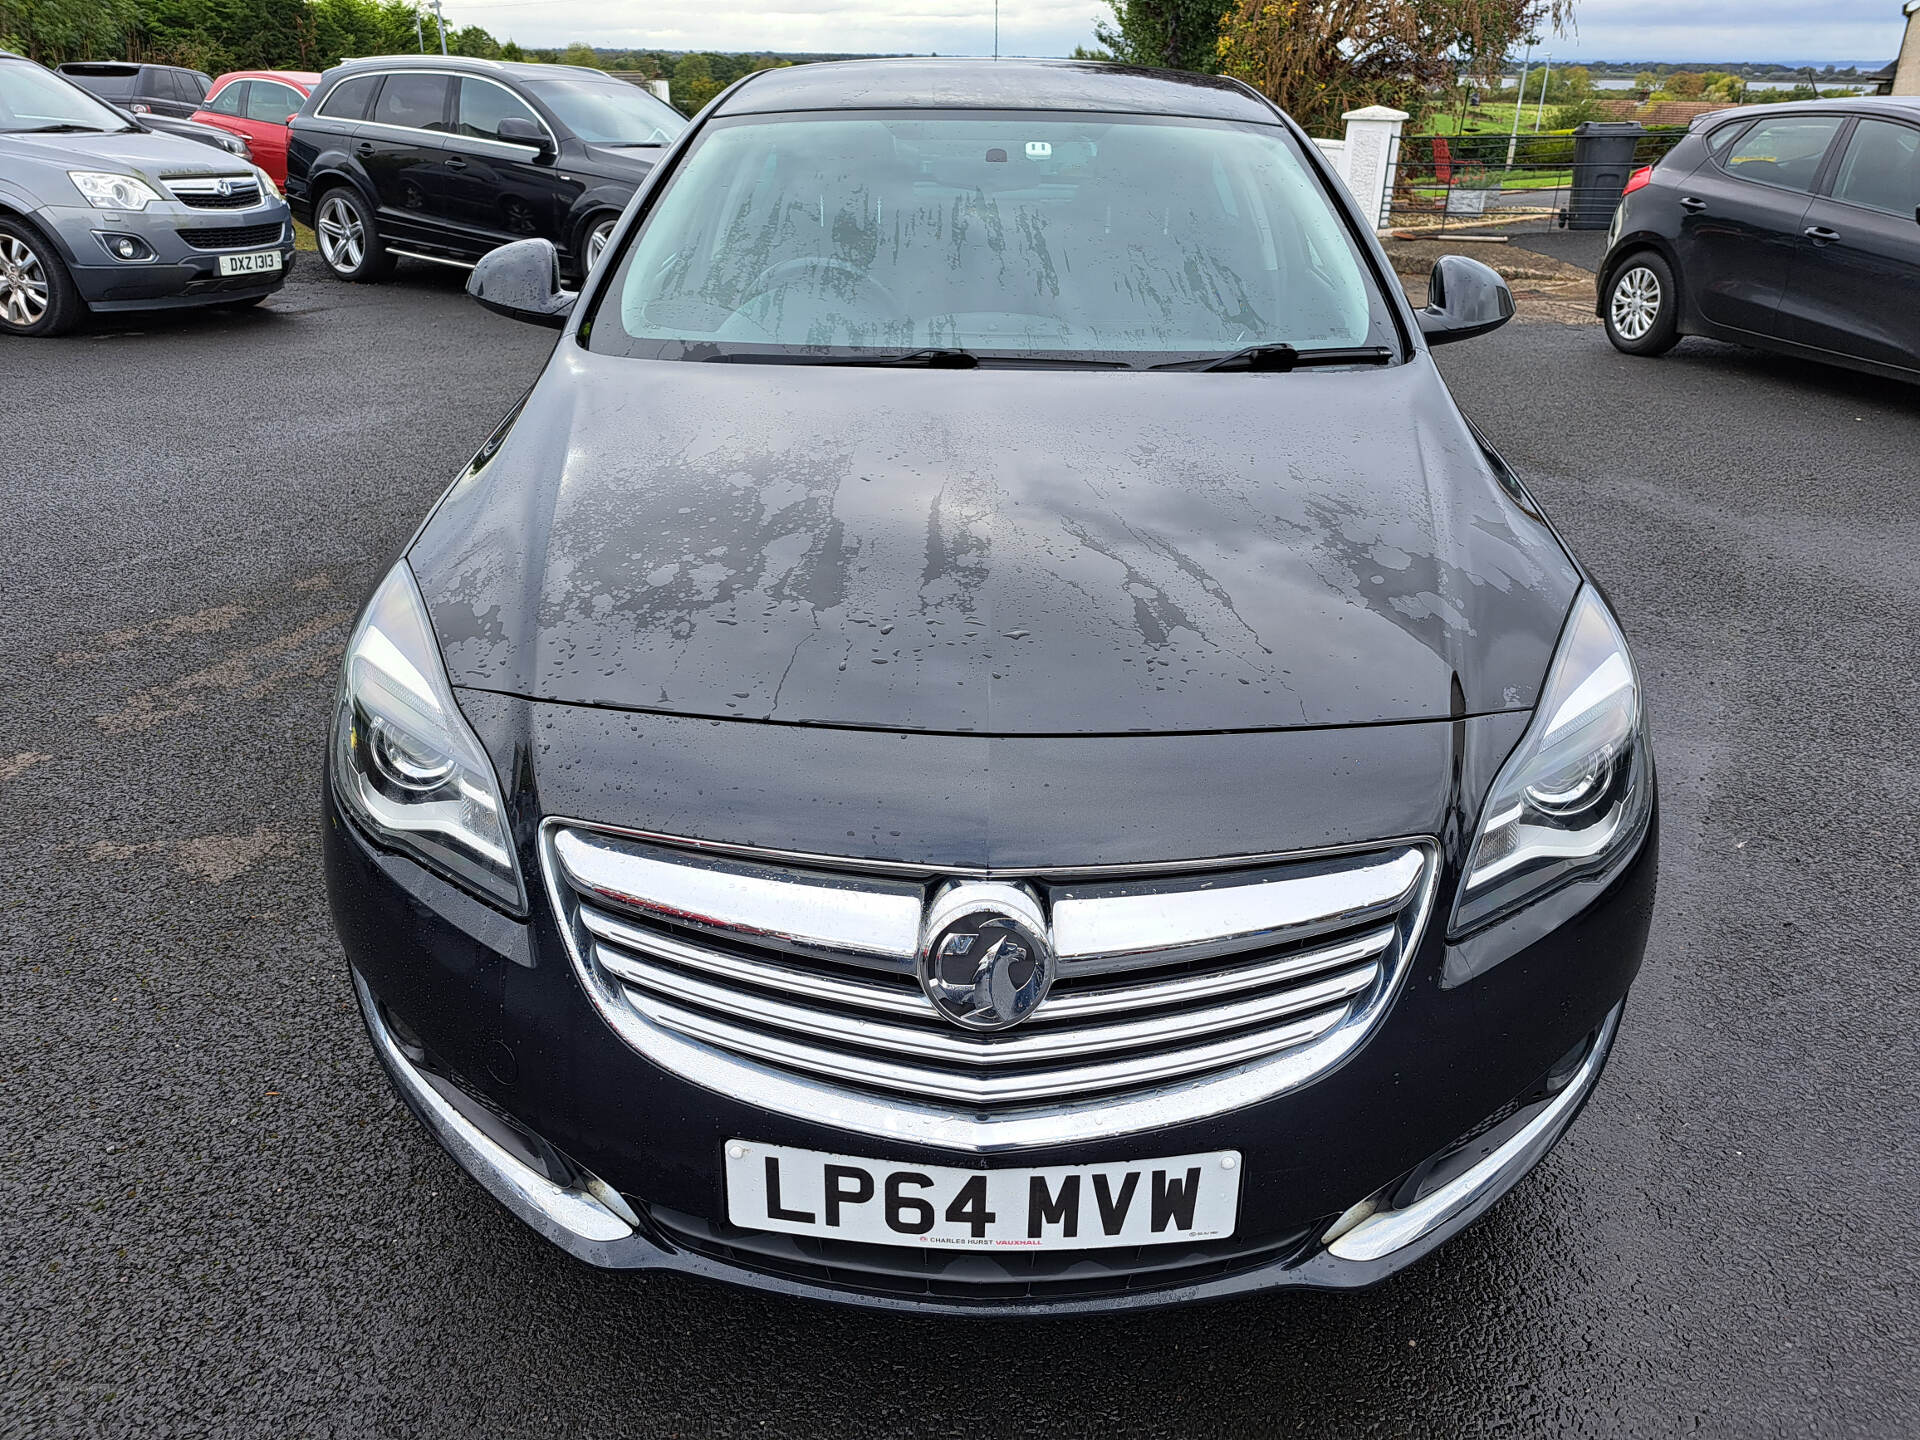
[441, 19]
[1519, 104]
[1546, 78]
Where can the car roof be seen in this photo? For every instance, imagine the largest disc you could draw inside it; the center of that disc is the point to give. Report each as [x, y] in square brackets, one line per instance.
[517, 69]
[908, 84]
[1907, 106]
[305, 79]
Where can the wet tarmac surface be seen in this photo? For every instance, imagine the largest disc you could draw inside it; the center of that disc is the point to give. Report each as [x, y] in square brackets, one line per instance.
[217, 1219]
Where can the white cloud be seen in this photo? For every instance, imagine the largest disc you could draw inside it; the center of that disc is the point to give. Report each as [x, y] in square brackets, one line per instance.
[949, 27]
[1845, 30]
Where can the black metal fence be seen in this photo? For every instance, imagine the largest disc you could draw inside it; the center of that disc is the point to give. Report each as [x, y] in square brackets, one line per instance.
[1498, 184]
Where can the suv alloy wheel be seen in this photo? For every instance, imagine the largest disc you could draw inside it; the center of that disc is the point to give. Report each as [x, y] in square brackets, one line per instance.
[349, 243]
[36, 293]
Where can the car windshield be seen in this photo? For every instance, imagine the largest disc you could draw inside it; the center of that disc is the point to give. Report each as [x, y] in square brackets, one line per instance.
[610, 112]
[36, 99]
[1076, 236]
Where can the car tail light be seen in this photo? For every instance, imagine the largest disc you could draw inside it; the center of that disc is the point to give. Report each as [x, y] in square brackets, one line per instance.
[1639, 180]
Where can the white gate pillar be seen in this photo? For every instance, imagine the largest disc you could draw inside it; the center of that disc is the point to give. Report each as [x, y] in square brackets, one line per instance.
[1372, 150]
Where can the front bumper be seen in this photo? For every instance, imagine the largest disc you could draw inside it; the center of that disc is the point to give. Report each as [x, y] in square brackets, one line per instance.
[183, 248]
[1485, 1059]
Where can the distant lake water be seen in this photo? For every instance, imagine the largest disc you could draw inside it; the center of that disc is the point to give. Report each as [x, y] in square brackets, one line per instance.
[1533, 83]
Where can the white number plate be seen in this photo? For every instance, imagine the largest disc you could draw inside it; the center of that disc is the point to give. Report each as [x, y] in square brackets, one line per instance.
[251, 264]
[1061, 1207]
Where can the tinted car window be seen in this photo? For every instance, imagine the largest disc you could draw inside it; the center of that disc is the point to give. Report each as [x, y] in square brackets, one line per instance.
[1881, 168]
[231, 100]
[1720, 139]
[610, 112]
[273, 103]
[121, 85]
[1785, 151]
[483, 105]
[187, 86]
[416, 101]
[1068, 235]
[349, 99]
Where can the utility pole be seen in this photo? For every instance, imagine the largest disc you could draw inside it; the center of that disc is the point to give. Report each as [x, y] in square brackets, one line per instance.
[1545, 78]
[996, 29]
[419, 32]
[1519, 104]
[441, 21]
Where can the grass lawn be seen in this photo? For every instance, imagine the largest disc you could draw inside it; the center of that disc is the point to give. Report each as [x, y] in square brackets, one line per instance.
[303, 238]
[1490, 119]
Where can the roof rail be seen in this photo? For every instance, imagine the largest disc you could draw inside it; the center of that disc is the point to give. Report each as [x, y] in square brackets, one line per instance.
[416, 59]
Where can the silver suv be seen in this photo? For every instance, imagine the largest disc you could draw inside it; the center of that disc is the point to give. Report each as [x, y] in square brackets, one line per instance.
[100, 215]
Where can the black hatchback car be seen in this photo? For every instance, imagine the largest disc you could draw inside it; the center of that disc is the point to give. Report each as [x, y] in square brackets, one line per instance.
[1789, 227]
[444, 159]
[987, 736]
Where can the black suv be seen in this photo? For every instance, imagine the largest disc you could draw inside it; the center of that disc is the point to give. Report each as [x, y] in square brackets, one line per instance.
[144, 89]
[444, 159]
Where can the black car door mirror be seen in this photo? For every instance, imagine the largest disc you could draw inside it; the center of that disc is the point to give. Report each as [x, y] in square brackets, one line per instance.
[522, 281]
[518, 130]
[1464, 299]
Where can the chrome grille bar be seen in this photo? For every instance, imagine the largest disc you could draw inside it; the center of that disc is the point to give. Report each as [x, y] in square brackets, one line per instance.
[862, 919]
[1026, 1047]
[789, 979]
[989, 1089]
[1149, 994]
[901, 998]
[1122, 927]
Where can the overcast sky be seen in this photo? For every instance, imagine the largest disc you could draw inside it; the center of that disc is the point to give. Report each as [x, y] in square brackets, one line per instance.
[1822, 30]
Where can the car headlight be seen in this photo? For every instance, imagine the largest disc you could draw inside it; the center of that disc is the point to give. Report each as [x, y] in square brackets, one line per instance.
[106, 191]
[1575, 796]
[406, 764]
[267, 187]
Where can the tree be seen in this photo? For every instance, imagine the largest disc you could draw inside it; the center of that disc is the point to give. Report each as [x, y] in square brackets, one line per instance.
[56, 31]
[1685, 85]
[474, 41]
[693, 83]
[1175, 34]
[580, 53]
[1319, 58]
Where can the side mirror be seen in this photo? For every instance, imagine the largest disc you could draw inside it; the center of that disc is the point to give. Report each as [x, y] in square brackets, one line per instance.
[518, 130]
[1464, 299]
[522, 282]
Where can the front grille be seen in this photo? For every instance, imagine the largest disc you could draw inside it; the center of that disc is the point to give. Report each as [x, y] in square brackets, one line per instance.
[1179, 994]
[232, 237]
[215, 192]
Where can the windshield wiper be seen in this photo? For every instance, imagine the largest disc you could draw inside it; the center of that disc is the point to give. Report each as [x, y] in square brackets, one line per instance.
[65, 127]
[929, 358]
[1286, 357]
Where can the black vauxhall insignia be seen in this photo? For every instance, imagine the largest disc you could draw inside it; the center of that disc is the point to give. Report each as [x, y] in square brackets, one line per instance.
[987, 736]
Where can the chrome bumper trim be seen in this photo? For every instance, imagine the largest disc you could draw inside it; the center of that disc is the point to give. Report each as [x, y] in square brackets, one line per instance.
[1465, 1196]
[515, 1184]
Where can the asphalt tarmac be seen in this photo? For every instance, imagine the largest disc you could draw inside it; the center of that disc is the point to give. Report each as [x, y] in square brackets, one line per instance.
[216, 1219]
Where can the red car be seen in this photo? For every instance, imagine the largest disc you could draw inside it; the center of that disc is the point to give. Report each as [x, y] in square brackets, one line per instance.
[258, 104]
